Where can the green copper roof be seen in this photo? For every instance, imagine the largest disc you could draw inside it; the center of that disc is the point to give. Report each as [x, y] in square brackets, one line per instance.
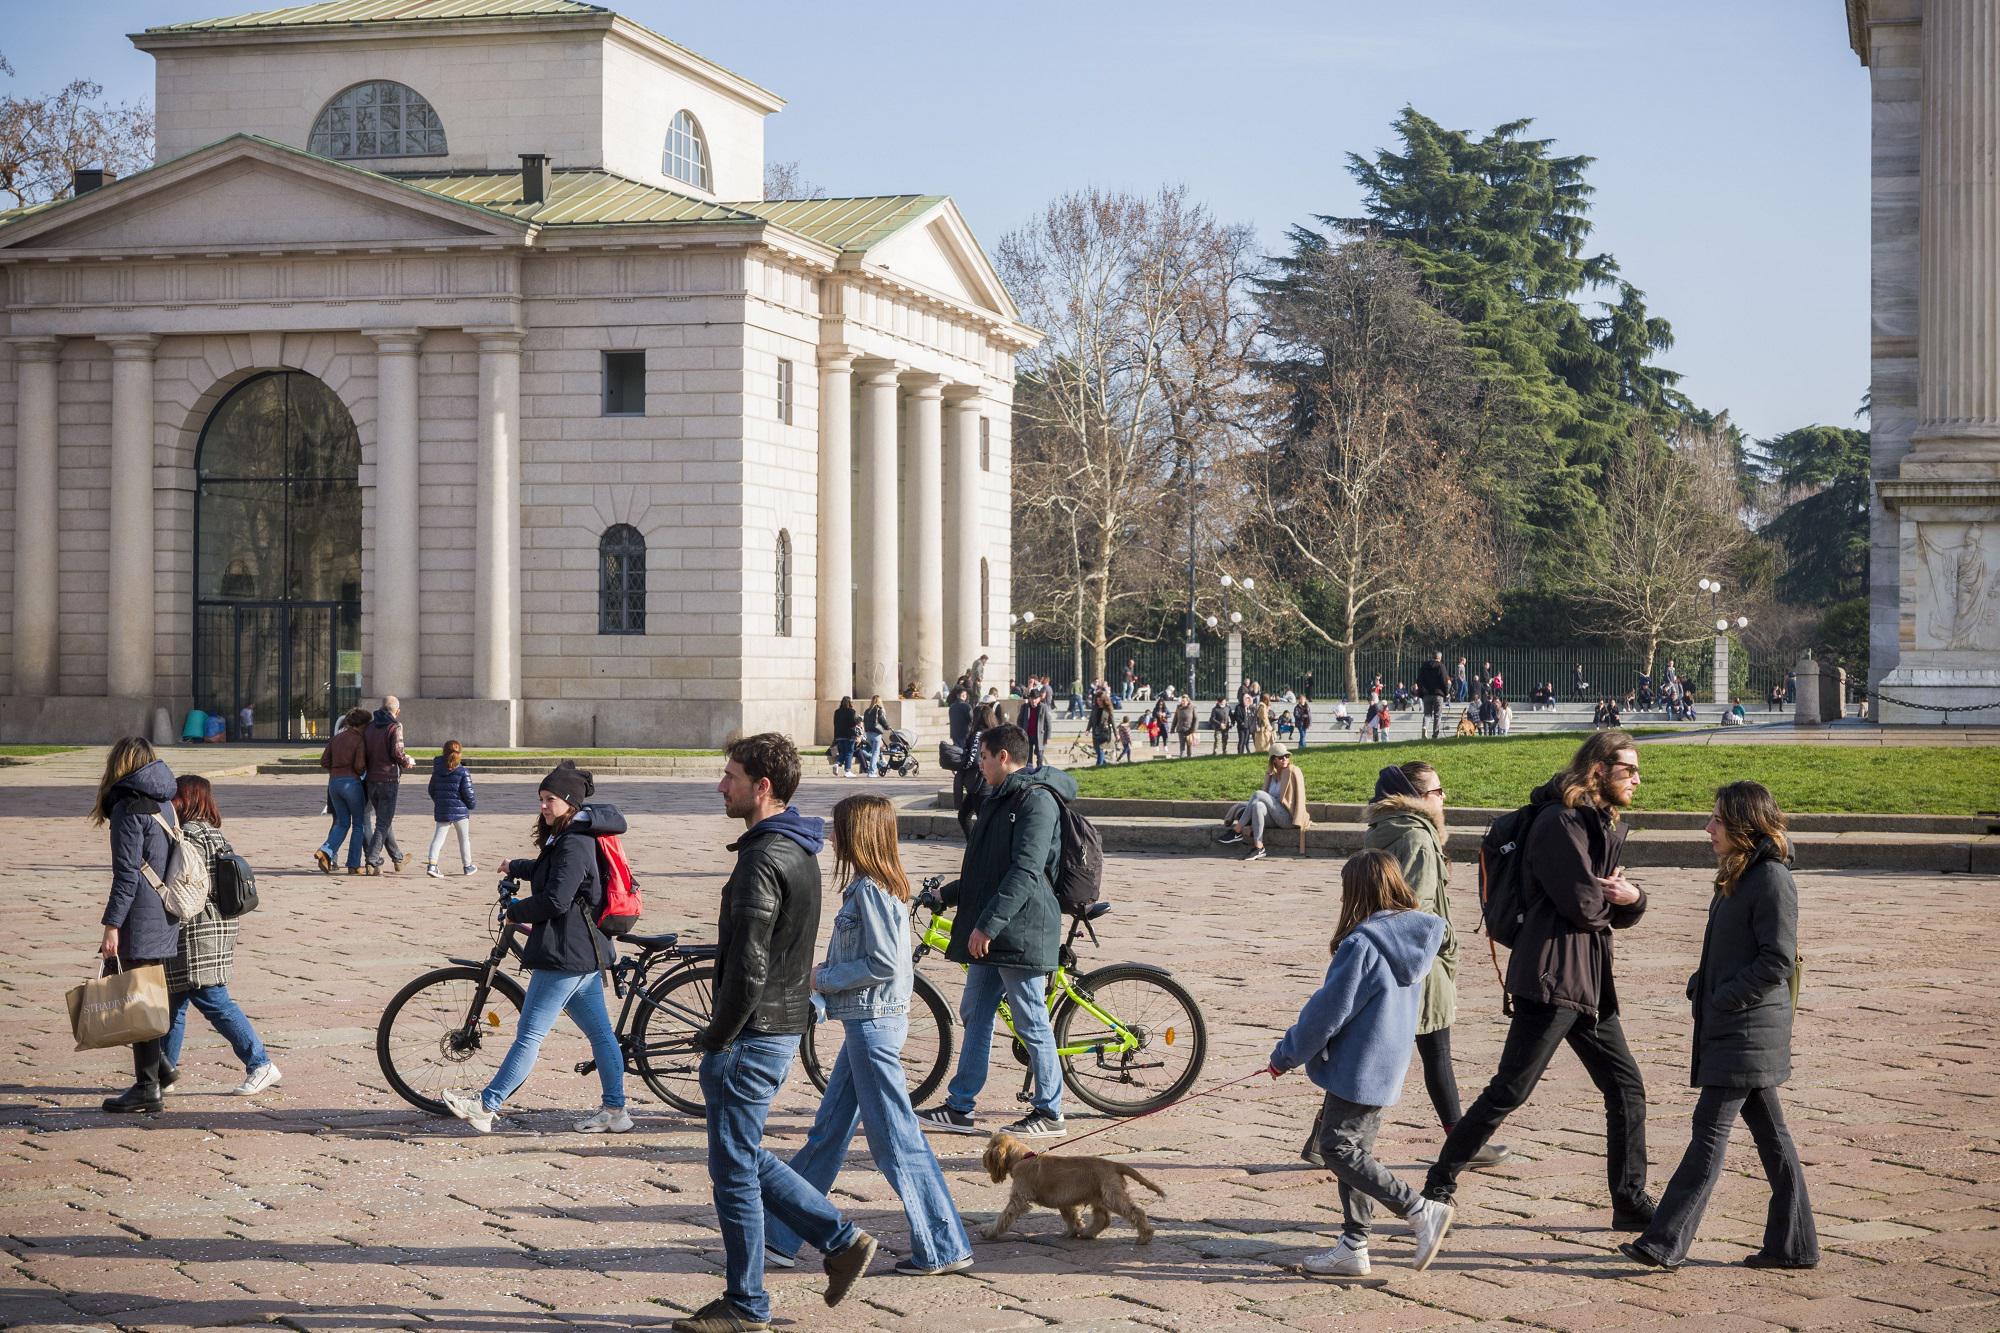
[577, 197]
[845, 224]
[385, 11]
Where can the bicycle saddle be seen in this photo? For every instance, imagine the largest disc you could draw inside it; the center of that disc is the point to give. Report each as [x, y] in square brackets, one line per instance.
[665, 941]
[1092, 912]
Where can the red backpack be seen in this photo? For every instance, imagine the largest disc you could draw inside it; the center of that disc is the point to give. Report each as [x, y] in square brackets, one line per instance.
[621, 891]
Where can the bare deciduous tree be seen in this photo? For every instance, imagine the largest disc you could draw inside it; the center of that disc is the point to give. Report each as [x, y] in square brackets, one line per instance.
[787, 180]
[44, 140]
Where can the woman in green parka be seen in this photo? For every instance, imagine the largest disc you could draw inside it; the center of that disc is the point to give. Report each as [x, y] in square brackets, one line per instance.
[1406, 820]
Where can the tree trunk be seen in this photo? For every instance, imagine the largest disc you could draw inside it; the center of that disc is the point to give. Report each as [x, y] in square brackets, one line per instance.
[1652, 651]
[1353, 684]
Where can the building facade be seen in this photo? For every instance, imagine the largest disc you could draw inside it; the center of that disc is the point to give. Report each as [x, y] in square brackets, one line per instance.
[1934, 548]
[454, 355]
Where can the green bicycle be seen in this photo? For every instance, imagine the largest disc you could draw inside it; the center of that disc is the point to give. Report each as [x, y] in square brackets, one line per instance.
[1130, 1037]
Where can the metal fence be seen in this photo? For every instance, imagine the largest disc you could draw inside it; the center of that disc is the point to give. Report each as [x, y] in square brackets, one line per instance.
[1321, 671]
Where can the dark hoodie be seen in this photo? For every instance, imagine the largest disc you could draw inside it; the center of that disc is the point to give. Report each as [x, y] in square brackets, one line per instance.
[567, 896]
[145, 931]
[766, 933]
[382, 741]
[1562, 955]
[1006, 884]
[1354, 1034]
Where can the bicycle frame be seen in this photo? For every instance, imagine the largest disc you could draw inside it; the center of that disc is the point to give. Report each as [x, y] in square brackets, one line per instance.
[937, 935]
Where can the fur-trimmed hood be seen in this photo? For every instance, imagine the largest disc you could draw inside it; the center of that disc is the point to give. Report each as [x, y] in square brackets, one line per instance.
[1399, 808]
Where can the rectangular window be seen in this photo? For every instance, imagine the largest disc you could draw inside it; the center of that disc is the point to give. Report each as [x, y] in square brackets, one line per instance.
[785, 392]
[624, 384]
[985, 445]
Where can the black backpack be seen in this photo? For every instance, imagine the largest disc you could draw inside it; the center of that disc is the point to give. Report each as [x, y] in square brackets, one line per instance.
[232, 886]
[1502, 878]
[1080, 863]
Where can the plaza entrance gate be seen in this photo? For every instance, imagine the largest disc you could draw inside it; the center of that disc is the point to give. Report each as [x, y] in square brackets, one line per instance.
[277, 642]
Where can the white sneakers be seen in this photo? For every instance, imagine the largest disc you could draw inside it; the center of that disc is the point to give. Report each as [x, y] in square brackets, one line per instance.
[608, 1120]
[263, 1076]
[1431, 1220]
[471, 1110]
[1346, 1259]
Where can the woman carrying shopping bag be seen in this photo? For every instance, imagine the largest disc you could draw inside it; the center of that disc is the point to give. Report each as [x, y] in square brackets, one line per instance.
[136, 787]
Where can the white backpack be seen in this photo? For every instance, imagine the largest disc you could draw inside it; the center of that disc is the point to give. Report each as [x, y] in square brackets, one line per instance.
[184, 890]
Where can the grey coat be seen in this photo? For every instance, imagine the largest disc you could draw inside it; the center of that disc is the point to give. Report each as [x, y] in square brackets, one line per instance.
[1741, 993]
[145, 931]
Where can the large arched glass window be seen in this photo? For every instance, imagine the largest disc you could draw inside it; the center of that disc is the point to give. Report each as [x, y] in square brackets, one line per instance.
[686, 158]
[784, 607]
[621, 580]
[377, 119]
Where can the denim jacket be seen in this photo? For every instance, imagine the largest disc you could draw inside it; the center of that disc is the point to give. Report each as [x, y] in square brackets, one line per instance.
[867, 972]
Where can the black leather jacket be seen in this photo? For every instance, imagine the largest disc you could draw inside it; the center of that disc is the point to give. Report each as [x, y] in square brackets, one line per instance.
[765, 938]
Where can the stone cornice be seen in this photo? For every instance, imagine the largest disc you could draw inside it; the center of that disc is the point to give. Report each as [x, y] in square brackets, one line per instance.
[1857, 28]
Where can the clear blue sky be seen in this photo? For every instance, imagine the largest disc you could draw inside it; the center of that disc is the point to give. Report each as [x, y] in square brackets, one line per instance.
[1731, 137]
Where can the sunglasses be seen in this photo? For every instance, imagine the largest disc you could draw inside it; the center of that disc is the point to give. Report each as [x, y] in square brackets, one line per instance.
[1434, 791]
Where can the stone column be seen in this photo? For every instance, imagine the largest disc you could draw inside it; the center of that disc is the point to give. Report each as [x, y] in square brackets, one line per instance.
[961, 528]
[496, 595]
[129, 639]
[1719, 687]
[396, 612]
[923, 551]
[833, 611]
[875, 541]
[1958, 286]
[35, 537]
[1232, 668]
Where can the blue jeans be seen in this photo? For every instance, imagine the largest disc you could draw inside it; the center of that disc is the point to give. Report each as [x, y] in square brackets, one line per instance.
[872, 755]
[224, 1015]
[1024, 991]
[350, 802]
[737, 1085]
[1099, 747]
[581, 996]
[843, 753]
[867, 1088]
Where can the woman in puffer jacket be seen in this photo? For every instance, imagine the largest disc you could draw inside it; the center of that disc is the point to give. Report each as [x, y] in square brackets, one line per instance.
[135, 789]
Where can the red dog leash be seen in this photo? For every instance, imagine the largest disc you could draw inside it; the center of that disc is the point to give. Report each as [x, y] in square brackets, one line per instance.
[1102, 1129]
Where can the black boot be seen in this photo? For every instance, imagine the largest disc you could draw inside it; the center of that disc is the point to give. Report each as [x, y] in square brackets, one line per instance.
[143, 1096]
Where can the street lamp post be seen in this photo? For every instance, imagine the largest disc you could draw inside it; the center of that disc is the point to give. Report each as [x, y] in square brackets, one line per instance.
[1014, 624]
[1719, 691]
[1234, 669]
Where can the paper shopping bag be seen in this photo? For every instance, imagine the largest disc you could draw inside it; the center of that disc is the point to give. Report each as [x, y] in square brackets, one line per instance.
[120, 1009]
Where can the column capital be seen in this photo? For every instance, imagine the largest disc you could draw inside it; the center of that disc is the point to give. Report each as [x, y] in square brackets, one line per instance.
[963, 395]
[922, 384]
[836, 356]
[130, 346]
[396, 342]
[34, 346]
[497, 337]
[877, 370]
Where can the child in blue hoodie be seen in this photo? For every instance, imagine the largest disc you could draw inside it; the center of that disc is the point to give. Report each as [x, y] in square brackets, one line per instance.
[1354, 1037]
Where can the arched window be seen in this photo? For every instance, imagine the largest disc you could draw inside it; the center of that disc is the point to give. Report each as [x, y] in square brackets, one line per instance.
[686, 158]
[985, 605]
[784, 607]
[621, 580]
[377, 119]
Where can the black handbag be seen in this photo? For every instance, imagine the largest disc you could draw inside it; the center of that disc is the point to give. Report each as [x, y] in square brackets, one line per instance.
[950, 757]
[232, 886]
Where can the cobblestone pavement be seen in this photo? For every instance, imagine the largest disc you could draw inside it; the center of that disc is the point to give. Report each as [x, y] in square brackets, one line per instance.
[327, 1204]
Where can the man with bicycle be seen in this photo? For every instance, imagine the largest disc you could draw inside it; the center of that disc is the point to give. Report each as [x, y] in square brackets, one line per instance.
[1008, 930]
[762, 1006]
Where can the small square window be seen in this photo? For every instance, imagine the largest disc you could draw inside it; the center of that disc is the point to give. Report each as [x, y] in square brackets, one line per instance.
[624, 384]
[785, 392]
[985, 444]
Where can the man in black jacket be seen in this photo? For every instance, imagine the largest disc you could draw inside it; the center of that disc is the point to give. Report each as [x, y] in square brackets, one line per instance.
[1431, 685]
[762, 1005]
[1559, 972]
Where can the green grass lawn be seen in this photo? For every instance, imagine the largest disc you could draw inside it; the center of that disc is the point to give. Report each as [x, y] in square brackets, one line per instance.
[34, 751]
[1500, 771]
[553, 755]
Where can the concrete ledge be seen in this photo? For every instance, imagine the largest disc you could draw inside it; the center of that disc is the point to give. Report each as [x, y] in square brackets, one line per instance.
[470, 722]
[60, 719]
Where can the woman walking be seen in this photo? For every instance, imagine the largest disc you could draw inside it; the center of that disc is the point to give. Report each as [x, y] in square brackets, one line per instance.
[345, 760]
[846, 727]
[1743, 1003]
[199, 973]
[865, 983]
[876, 723]
[452, 804]
[565, 954]
[131, 796]
[1263, 734]
[1103, 723]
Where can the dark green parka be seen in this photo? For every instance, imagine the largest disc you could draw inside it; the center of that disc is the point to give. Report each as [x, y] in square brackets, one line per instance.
[1006, 885]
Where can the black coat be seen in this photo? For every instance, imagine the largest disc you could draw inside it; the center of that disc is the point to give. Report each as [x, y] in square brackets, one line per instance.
[1741, 992]
[960, 714]
[566, 897]
[145, 931]
[1430, 679]
[1563, 954]
[765, 935]
[846, 723]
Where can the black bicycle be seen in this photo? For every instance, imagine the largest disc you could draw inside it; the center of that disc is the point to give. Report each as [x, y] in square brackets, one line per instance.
[451, 1028]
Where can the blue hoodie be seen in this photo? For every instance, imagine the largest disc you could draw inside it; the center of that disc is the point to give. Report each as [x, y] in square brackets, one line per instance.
[1354, 1034]
[808, 831]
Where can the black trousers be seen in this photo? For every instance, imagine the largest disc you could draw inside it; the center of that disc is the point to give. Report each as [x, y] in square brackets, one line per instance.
[149, 1058]
[381, 822]
[1538, 1031]
[1434, 1051]
[1789, 1233]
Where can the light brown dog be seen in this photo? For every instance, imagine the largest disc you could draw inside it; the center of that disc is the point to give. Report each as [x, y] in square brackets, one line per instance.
[1066, 1184]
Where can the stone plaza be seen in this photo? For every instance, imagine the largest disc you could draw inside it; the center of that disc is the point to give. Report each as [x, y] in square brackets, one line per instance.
[328, 1204]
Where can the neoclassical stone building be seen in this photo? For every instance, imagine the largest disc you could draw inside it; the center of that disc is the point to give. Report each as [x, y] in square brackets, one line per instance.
[1934, 551]
[449, 351]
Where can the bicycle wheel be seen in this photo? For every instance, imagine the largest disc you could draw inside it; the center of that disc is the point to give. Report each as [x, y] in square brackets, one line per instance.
[926, 1051]
[431, 1039]
[677, 1007]
[1168, 1042]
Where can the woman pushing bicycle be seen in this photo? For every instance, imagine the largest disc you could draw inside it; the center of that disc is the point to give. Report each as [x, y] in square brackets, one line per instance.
[565, 954]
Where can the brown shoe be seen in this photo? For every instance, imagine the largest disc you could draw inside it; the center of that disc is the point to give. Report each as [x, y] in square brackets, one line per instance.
[404, 860]
[354, 870]
[325, 862]
[845, 1267]
[371, 870]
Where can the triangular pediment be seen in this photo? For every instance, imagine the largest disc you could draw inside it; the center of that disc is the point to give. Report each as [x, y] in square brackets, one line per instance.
[938, 252]
[246, 193]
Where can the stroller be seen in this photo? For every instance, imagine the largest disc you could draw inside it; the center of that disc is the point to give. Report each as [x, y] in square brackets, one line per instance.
[896, 756]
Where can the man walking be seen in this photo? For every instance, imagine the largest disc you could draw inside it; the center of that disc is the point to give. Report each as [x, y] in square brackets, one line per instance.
[1559, 973]
[1432, 686]
[1007, 931]
[382, 746]
[762, 1005]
